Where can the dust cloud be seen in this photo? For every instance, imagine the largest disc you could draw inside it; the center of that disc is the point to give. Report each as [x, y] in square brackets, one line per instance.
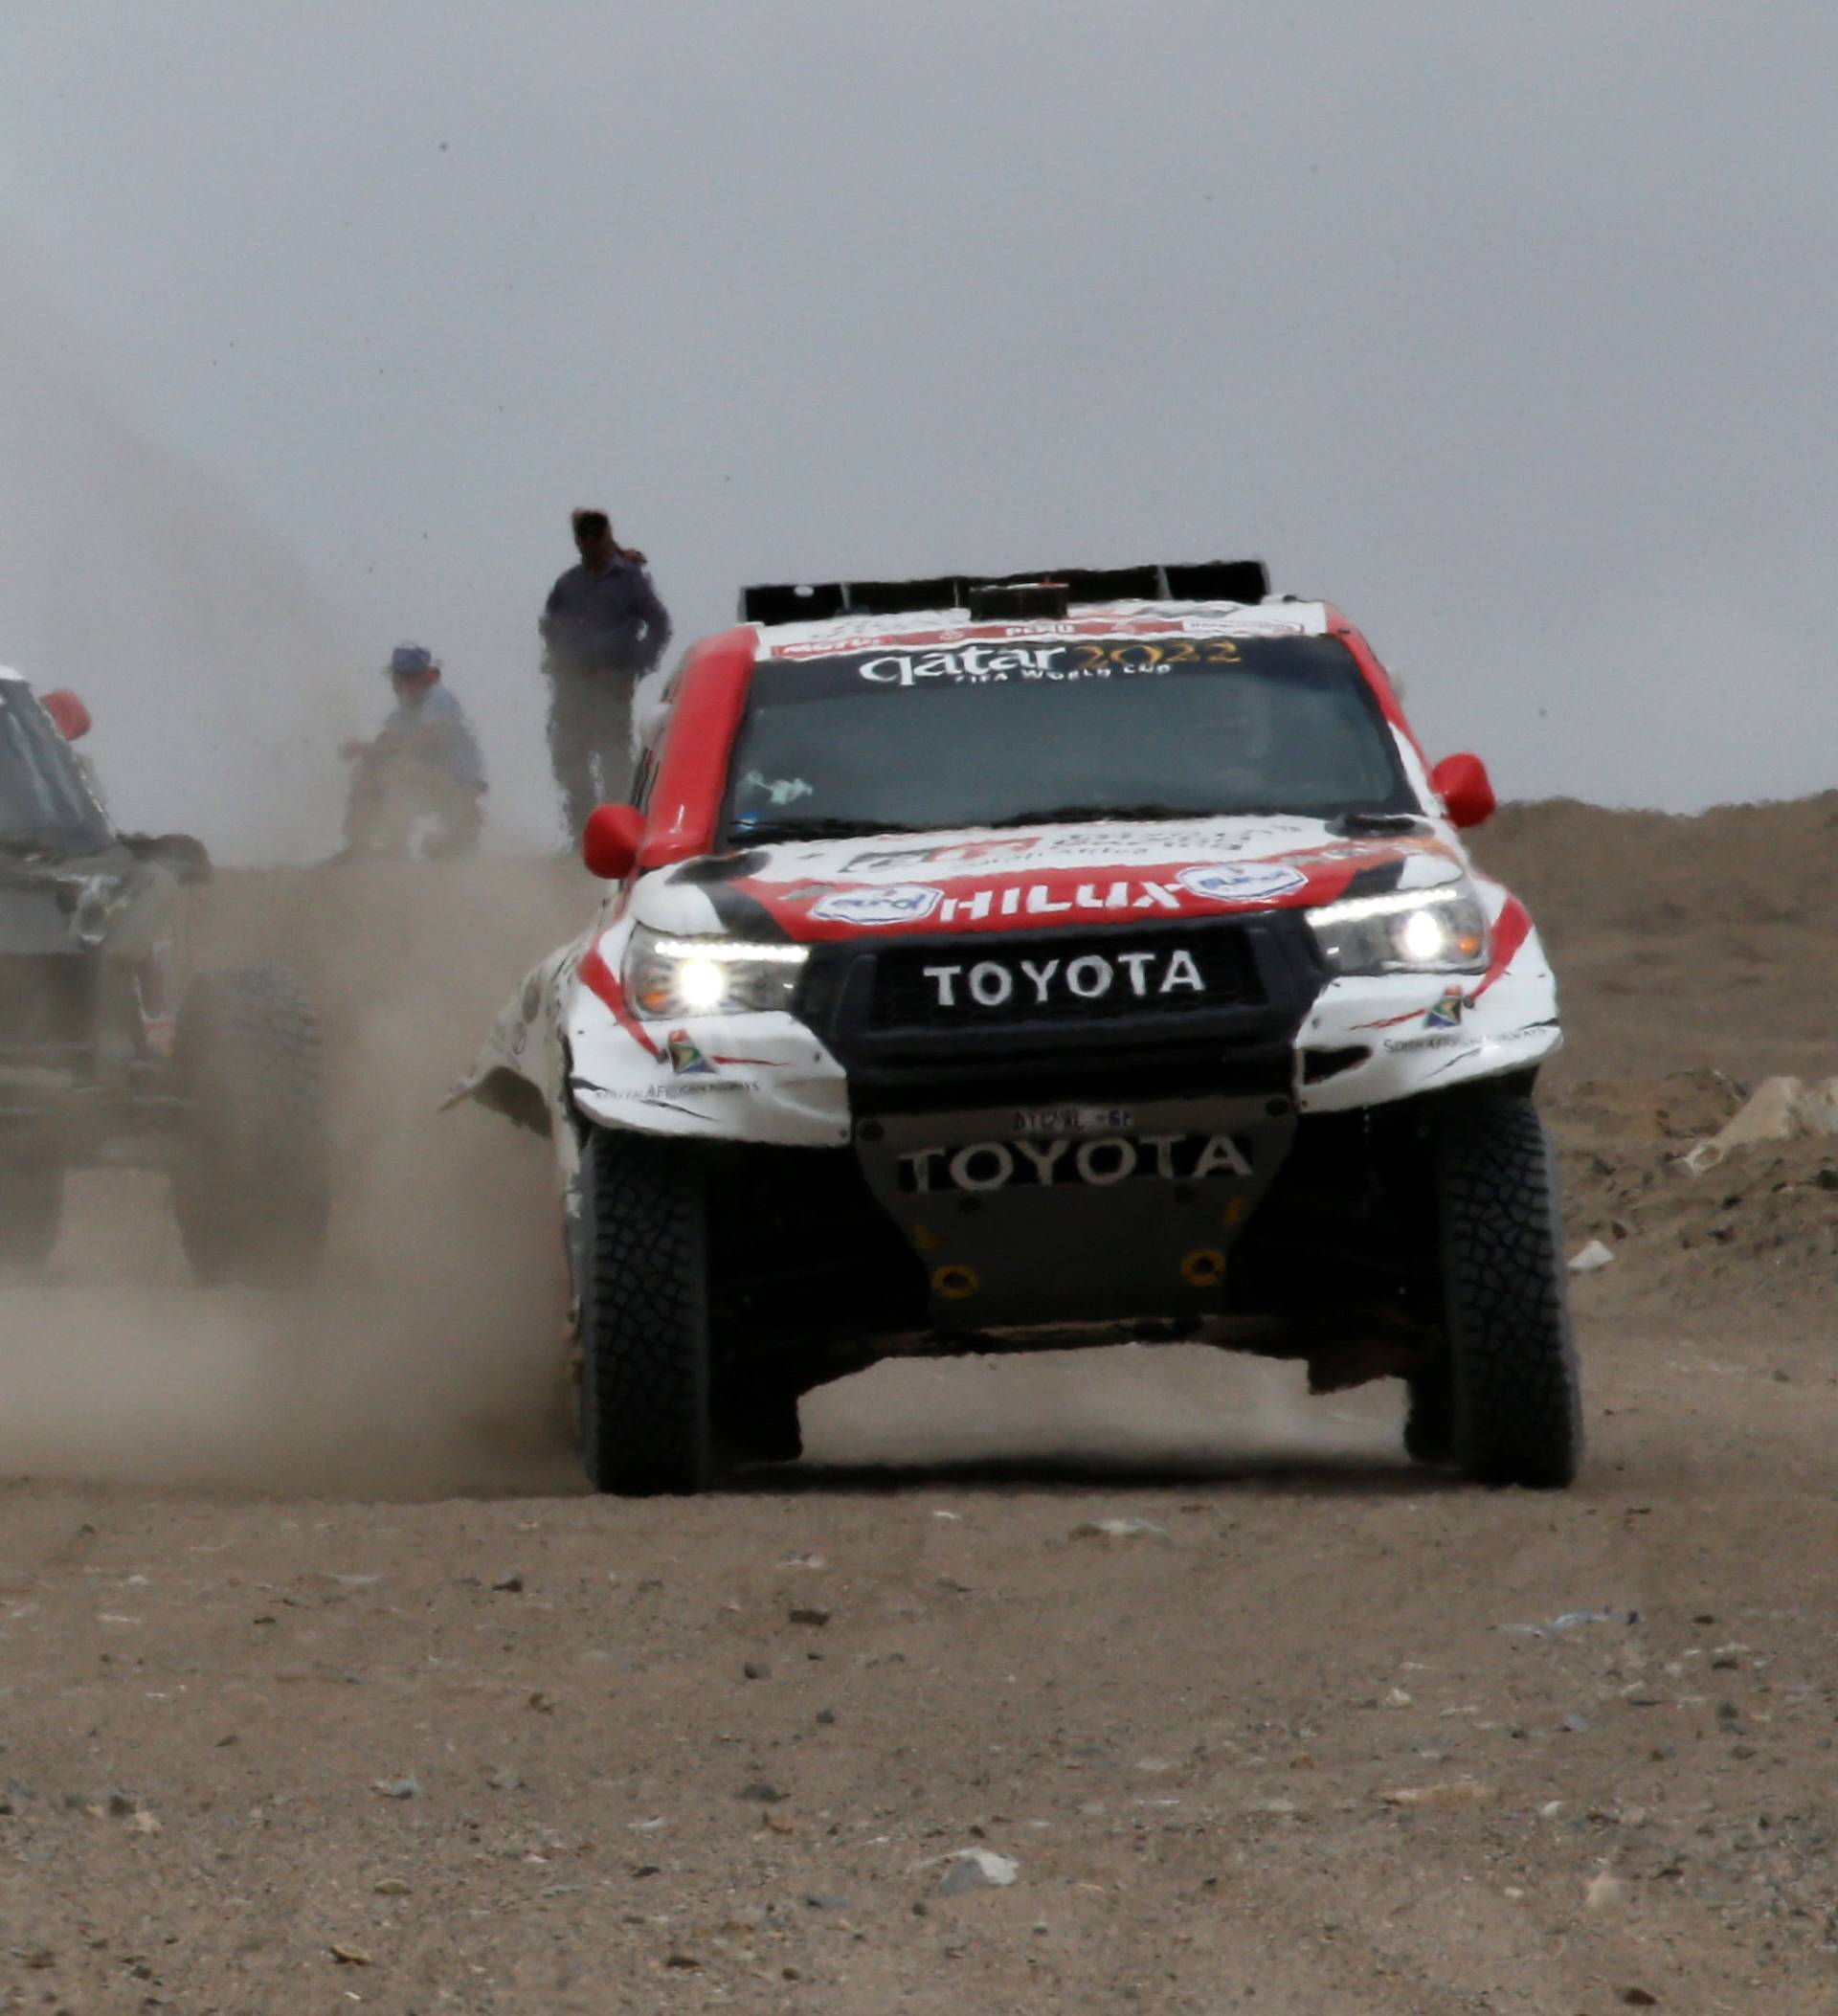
[219, 680]
[428, 1356]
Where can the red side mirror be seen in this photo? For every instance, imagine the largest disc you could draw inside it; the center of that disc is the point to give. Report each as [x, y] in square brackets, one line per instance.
[68, 712]
[1467, 792]
[609, 845]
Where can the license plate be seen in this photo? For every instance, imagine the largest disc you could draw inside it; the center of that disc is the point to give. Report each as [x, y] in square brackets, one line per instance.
[1074, 1120]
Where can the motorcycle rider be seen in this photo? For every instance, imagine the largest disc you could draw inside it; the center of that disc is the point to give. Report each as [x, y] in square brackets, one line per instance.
[603, 628]
[425, 763]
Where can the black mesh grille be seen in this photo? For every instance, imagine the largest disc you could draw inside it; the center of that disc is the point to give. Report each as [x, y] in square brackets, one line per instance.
[997, 983]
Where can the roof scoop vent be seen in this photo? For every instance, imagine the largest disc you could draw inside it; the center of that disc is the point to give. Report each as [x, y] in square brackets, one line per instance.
[1017, 601]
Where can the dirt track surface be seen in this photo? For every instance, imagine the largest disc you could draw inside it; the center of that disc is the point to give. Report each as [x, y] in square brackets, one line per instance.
[321, 1683]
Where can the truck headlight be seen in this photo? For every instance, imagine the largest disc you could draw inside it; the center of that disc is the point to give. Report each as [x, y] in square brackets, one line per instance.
[1442, 930]
[666, 977]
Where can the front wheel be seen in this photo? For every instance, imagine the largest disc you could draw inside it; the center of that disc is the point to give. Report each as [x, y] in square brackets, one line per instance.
[643, 1292]
[32, 1207]
[251, 1187]
[1504, 1401]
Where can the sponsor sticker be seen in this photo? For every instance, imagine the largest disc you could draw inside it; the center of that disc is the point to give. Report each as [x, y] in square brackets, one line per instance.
[687, 1059]
[1241, 882]
[1095, 1163]
[898, 903]
[990, 853]
[1447, 1012]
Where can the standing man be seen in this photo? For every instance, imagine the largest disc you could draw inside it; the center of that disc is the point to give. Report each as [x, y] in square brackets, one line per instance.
[603, 628]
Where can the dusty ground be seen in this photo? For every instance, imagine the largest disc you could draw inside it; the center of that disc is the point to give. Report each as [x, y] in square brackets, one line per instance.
[321, 1684]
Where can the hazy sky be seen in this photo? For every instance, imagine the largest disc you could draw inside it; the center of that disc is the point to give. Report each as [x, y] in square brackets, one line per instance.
[1508, 328]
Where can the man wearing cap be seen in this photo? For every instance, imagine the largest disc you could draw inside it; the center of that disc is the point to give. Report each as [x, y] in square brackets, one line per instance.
[603, 628]
[425, 763]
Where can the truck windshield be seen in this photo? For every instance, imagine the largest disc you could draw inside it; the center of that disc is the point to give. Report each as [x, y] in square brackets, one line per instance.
[1035, 730]
[44, 801]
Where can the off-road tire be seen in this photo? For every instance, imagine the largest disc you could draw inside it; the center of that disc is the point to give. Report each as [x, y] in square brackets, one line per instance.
[252, 1181]
[643, 1313]
[31, 1208]
[1514, 1396]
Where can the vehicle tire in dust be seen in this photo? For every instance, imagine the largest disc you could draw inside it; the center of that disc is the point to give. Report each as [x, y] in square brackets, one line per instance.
[1514, 1396]
[644, 1302]
[252, 1181]
[31, 1208]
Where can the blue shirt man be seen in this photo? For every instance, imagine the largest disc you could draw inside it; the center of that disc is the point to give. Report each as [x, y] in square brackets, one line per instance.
[425, 765]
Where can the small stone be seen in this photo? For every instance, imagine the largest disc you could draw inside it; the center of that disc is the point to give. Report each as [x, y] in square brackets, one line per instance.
[1118, 1530]
[1398, 1698]
[350, 1955]
[541, 1703]
[684, 1960]
[121, 1805]
[1576, 1724]
[141, 1821]
[391, 1887]
[505, 1780]
[826, 1719]
[397, 1787]
[1639, 1999]
[1603, 1892]
[756, 1669]
[762, 1794]
[1454, 1793]
[811, 1614]
[1593, 1257]
[976, 1869]
[511, 1584]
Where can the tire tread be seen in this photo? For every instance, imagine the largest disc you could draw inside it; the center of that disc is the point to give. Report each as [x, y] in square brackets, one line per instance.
[1518, 1402]
[644, 1315]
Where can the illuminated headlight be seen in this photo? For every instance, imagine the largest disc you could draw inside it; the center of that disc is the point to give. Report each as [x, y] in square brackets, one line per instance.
[1410, 930]
[666, 978]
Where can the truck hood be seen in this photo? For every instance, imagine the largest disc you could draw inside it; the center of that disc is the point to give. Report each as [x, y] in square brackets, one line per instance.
[1042, 876]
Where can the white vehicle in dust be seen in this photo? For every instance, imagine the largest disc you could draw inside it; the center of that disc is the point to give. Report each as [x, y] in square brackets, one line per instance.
[995, 966]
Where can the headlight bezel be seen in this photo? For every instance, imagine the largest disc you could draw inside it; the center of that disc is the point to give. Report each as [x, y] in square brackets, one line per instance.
[1443, 929]
[671, 975]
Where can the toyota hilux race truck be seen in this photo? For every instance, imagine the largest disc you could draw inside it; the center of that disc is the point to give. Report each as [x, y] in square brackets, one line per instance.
[1004, 965]
[108, 1056]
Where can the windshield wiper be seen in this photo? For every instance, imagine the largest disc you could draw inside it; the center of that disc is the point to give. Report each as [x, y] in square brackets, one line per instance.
[812, 829]
[1073, 815]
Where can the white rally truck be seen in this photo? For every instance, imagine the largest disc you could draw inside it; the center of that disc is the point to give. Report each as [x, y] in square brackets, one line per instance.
[992, 965]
